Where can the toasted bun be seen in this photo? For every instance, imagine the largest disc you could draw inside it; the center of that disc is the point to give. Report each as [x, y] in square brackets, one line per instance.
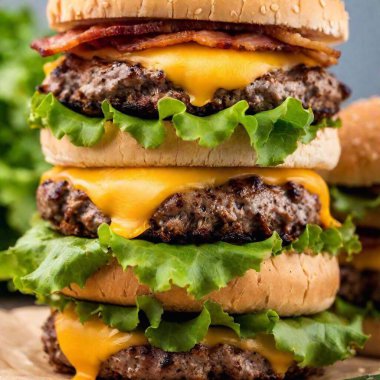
[371, 327]
[324, 18]
[119, 149]
[291, 284]
[360, 137]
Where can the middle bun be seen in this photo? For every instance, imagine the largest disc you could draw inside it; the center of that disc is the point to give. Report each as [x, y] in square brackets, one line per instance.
[291, 284]
[119, 149]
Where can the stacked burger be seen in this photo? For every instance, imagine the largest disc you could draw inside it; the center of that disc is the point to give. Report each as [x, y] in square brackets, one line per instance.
[183, 232]
[356, 192]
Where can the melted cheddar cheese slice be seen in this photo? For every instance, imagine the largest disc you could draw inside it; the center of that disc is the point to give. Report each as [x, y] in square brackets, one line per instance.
[88, 345]
[130, 196]
[201, 70]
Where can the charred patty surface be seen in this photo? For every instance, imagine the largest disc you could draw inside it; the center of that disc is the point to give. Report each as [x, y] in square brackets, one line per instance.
[201, 363]
[240, 211]
[83, 85]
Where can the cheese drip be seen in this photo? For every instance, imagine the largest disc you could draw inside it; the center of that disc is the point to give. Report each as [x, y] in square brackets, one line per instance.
[130, 196]
[201, 70]
[88, 345]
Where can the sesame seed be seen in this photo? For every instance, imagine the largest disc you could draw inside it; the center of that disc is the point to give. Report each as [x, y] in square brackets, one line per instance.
[263, 9]
[198, 11]
[234, 14]
[323, 3]
[274, 7]
[296, 8]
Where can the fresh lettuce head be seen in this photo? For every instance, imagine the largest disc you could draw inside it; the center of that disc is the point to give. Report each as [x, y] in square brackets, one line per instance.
[274, 134]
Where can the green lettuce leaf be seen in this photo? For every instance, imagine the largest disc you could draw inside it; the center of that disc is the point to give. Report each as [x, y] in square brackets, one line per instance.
[351, 204]
[279, 131]
[333, 240]
[349, 311]
[45, 262]
[314, 341]
[274, 134]
[200, 269]
[47, 111]
[319, 340]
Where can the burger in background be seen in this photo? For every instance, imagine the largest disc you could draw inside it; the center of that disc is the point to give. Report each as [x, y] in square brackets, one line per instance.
[356, 192]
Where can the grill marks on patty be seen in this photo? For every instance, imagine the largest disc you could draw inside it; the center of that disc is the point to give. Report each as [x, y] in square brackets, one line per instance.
[69, 210]
[201, 363]
[240, 211]
[83, 85]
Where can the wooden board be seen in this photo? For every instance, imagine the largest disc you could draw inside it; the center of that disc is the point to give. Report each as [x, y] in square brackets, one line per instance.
[21, 356]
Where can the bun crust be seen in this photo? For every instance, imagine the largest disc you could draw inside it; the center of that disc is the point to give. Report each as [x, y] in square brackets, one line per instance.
[119, 149]
[360, 137]
[319, 17]
[371, 327]
[291, 284]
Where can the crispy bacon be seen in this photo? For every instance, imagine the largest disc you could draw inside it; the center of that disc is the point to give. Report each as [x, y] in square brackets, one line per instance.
[75, 37]
[314, 49]
[130, 37]
[249, 42]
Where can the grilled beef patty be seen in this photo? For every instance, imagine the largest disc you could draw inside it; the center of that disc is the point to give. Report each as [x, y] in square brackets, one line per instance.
[239, 211]
[83, 85]
[362, 286]
[149, 363]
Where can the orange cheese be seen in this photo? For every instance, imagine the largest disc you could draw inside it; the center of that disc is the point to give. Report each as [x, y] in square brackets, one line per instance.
[264, 345]
[130, 196]
[50, 66]
[87, 345]
[201, 70]
[369, 259]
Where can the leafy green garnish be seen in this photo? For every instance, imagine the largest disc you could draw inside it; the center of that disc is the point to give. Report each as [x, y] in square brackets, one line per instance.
[314, 341]
[274, 134]
[334, 240]
[200, 269]
[44, 262]
[319, 340]
[46, 111]
[349, 311]
[350, 204]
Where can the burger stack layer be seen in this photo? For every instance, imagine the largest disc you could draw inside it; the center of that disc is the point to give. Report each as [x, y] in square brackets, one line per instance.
[183, 232]
[355, 191]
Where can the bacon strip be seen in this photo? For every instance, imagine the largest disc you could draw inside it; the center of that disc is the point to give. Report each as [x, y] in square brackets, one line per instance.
[134, 37]
[314, 49]
[249, 42]
[66, 41]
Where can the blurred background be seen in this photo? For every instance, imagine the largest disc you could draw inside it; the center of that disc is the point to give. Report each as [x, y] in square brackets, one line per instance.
[21, 71]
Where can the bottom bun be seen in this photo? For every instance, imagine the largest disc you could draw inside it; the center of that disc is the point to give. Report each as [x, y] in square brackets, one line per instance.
[371, 327]
[292, 284]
